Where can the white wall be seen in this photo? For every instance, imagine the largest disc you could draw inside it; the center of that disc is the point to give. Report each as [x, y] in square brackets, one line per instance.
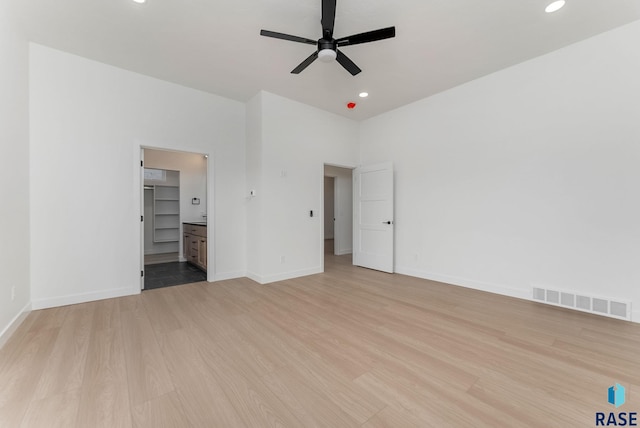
[88, 121]
[253, 160]
[343, 231]
[14, 174]
[528, 176]
[295, 142]
[193, 181]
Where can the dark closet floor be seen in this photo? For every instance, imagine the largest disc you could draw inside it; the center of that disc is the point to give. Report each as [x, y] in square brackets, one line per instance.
[173, 273]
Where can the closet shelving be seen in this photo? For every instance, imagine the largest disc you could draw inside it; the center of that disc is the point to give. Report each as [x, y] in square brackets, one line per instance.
[166, 213]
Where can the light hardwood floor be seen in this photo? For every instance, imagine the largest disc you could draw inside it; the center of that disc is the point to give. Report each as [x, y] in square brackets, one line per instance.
[348, 348]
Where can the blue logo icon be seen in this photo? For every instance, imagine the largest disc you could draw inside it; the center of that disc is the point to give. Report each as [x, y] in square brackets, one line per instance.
[616, 395]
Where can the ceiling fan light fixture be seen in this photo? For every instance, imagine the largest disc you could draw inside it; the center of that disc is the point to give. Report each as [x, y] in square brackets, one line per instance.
[327, 46]
[327, 55]
[555, 6]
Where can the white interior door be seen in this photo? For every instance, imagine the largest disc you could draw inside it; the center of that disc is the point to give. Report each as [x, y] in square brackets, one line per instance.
[373, 217]
[141, 174]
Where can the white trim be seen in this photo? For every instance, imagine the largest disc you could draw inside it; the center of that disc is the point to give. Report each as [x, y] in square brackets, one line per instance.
[344, 252]
[74, 299]
[211, 216]
[283, 276]
[154, 252]
[635, 316]
[254, 277]
[229, 275]
[14, 324]
[465, 282]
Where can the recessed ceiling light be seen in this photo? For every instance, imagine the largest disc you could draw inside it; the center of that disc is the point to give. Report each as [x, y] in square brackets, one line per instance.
[556, 5]
[363, 94]
[139, 1]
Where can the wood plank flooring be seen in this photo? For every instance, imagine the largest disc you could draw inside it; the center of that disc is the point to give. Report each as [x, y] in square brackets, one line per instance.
[348, 348]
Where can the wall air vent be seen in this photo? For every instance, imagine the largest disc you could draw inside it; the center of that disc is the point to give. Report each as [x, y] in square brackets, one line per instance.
[583, 303]
[596, 305]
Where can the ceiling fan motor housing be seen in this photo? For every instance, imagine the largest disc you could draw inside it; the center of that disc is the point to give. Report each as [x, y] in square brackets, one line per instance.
[327, 50]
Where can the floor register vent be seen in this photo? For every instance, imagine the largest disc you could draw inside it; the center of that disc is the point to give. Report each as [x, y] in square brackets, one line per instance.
[595, 305]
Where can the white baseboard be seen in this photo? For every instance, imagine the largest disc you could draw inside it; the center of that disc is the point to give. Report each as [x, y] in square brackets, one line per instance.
[344, 252]
[229, 275]
[266, 279]
[482, 286]
[464, 282]
[83, 298]
[254, 276]
[14, 324]
[153, 252]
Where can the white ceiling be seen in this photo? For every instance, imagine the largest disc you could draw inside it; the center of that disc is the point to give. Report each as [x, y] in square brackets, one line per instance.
[215, 46]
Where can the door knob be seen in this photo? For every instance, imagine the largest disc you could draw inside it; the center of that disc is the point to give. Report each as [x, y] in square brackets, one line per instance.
[387, 222]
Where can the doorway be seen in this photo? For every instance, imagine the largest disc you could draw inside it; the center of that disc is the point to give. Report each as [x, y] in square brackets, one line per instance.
[338, 212]
[363, 212]
[175, 201]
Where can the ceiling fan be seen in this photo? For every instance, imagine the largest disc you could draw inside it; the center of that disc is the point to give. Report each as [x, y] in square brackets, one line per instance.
[327, 46]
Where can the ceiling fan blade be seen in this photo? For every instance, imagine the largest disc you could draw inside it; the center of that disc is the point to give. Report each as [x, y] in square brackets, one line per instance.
[349, 65]
[328, 18]
[369, 36]
[289, 37]
[304, 64]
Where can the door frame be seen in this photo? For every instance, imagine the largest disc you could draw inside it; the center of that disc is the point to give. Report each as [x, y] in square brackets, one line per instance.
[139, 148]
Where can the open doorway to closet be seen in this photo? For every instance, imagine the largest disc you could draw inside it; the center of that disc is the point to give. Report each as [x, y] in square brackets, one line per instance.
[175, 218]
[338, 213]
